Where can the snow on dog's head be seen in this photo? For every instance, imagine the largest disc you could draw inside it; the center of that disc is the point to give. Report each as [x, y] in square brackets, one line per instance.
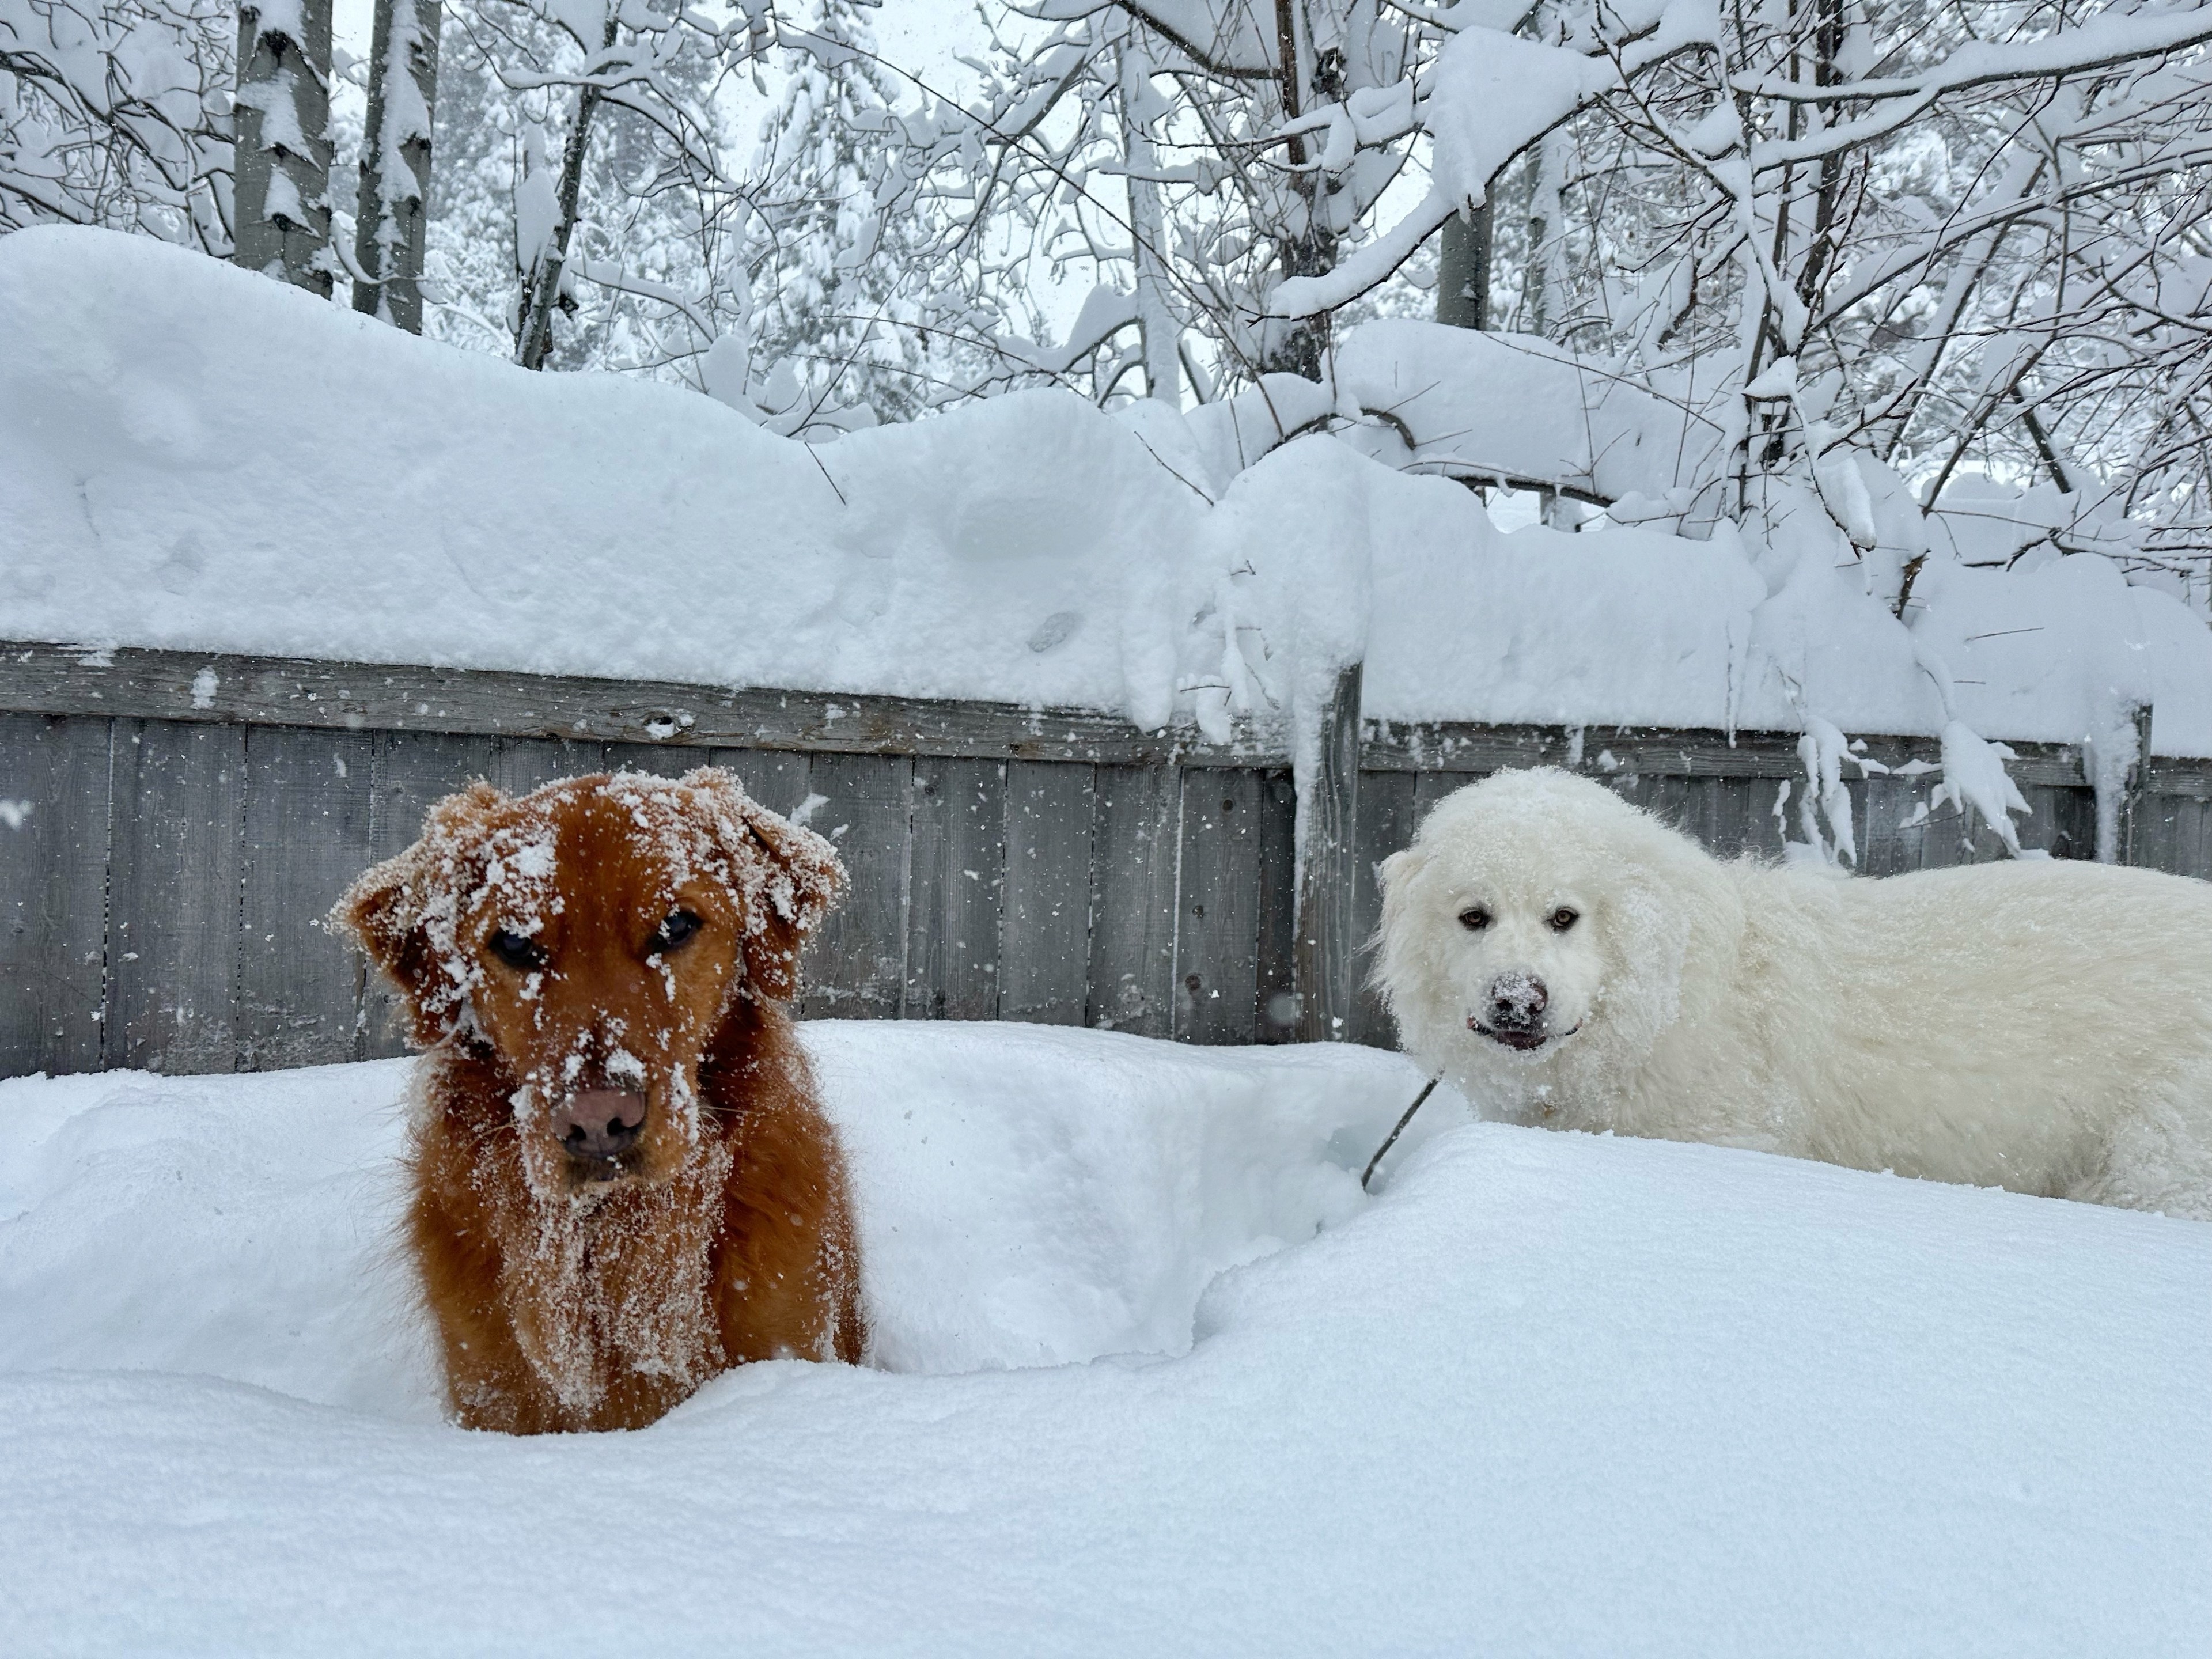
[1535, 928]
[590, 938]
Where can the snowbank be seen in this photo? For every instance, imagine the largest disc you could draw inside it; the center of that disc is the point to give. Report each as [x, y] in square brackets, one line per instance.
[194, 457]
[1549, 1394]
[1517, 406]
[1034, 1196]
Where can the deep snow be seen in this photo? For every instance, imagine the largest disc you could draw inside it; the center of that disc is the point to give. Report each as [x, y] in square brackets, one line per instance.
[1547, 1394]
[194, 457]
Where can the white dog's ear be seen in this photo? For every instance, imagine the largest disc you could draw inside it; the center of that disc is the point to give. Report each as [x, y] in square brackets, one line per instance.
[1395, 944]
[1399, 866]
[1394, 877]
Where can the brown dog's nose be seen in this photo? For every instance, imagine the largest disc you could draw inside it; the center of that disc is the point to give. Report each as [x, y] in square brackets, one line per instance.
[600, 1123]
[1518, 1001]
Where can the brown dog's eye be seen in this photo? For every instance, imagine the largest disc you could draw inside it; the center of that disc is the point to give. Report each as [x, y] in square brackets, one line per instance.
[1563, 918]
[1475, 919]
[678, 926]
[524, 956]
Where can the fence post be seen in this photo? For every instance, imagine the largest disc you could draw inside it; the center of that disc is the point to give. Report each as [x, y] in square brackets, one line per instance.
[2134, 797]
[1321, 965]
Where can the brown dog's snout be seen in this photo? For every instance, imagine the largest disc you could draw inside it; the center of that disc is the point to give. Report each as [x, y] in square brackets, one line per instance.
[599, 1125]
[1517, 1002]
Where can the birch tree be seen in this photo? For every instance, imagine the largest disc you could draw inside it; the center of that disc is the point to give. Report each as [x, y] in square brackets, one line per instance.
[393, 203]
[283, 159]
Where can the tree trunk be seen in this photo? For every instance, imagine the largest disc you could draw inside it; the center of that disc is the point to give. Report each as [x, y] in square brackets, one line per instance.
[1545, 294]
[1148, 233]
[1463, 261]
[1464, 267]
[541, 289]
[393, 206]
[284, 148]
[1299, 346]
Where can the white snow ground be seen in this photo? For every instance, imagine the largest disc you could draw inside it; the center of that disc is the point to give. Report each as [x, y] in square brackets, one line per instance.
[1547, 1394]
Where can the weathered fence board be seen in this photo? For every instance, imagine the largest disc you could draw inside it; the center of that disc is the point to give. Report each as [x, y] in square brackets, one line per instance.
[1276, 1003]
[1735, 818]
[181, 824]
[2191, 849]
[655, 759]
[857, 963]
[173, 885]
[1044, 953]
[778, 781]
[958, 864]
[1135, 863]
[53, 892]
[310, 799]
[1217, 953]
[521, 764]
[1448, 746]
[204, 687]
[2176, 835]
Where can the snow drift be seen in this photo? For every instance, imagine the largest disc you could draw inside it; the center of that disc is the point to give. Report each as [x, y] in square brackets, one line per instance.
[1549, 1394]
[194, 457]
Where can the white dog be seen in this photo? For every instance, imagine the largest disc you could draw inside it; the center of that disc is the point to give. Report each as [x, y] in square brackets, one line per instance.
[1566, 959]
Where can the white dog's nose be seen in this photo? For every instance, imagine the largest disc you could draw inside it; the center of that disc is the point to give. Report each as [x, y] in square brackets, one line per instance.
[1518, 1001]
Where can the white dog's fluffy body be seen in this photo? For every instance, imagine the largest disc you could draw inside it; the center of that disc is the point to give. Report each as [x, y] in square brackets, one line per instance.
[2041, 1025]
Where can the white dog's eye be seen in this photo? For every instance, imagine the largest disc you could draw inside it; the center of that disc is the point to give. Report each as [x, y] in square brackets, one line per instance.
[1563, 918]
[1475, 918]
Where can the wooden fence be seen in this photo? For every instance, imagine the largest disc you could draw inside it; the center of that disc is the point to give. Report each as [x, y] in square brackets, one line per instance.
[173, 827]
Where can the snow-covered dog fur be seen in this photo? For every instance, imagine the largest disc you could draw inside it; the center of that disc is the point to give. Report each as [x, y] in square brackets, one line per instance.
[1565, 959]
[622, 1183]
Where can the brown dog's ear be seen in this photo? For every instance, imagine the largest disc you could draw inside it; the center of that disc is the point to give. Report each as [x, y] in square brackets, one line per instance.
[786, 879]
[402, 913]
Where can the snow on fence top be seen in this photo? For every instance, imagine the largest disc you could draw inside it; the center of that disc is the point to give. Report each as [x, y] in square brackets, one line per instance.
[1515, 406]
[194, 457]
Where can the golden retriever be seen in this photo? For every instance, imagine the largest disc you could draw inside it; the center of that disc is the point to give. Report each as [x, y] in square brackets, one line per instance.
[622, 1183]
